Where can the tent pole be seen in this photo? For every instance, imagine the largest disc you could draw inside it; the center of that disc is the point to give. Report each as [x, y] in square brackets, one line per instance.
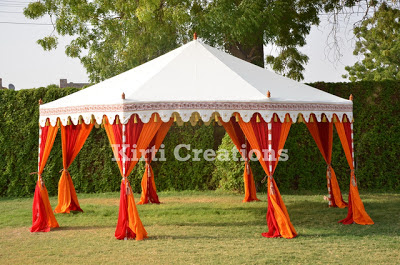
[123, 172]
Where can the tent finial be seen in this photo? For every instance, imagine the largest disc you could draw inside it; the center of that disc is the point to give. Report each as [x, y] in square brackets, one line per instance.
[123, 95]
[194, 36]
[268, 94]
[351, 97]
[40, 102]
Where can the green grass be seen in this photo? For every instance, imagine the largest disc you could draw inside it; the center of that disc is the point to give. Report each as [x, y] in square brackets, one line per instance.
[203, 228]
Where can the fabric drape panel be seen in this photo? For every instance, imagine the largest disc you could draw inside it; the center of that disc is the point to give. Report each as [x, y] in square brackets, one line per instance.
[237, 137]
[356, 212]
[149, 191]
[132, 138]
[322, 132]
[42, 214]
[73, 138]
[269, 139]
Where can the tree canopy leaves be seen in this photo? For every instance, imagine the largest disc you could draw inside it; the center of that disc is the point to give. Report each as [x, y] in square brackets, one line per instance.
[379, 44]
[112, 36]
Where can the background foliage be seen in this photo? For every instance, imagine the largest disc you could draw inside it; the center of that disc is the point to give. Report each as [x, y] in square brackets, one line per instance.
[377, 134]
[378, 39]
[110, 37]
[377, 146]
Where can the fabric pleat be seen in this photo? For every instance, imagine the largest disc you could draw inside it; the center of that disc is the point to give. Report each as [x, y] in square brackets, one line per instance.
[73, 138]
[149, 190]
[42, 214]
[238, 138]
[322, 132]
[135, 136]
[356, 212]
[263, 137]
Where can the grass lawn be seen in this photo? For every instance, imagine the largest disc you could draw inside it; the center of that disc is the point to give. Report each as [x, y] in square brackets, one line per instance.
[203, 228]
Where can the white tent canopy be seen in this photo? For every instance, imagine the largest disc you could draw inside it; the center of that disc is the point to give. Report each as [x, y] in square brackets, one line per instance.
[195, 78]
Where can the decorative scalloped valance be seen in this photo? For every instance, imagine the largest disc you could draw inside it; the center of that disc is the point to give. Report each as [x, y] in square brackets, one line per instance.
[185, 110]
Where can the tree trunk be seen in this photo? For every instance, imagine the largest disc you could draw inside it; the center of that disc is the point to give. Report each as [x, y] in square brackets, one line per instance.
[252, 54]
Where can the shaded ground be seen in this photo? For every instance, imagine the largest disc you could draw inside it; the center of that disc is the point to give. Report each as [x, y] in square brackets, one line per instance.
[203, 228]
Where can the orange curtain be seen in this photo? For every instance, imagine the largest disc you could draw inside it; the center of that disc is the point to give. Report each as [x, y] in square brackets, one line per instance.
[72, 139]
[269, 138]
[238, 138]
[42, 214]
[322, 132]
[127, 141]
[356, 211]
[149, 191]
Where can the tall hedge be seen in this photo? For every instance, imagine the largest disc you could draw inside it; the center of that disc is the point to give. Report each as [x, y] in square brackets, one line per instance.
[93, 169]
[376, 139]
[377, 134]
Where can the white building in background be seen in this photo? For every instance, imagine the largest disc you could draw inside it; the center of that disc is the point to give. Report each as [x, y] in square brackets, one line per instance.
[64, 83]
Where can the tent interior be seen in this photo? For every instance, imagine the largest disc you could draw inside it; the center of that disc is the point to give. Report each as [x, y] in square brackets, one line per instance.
[192, 83]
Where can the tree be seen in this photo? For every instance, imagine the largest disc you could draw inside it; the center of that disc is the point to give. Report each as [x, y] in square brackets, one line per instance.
[379, 44]
[244, 27]
[112, 36]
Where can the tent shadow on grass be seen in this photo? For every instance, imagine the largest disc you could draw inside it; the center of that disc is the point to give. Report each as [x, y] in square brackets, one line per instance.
[307, 216]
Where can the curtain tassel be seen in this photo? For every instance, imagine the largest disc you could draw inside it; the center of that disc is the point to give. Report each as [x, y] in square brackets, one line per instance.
[300, 119]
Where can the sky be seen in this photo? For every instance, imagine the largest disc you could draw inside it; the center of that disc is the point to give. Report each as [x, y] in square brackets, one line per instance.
[25, 64]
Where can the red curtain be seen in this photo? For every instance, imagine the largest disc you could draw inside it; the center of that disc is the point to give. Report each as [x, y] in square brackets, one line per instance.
[127, 141]
[356, 212]
[270, 138]
[42, 215]
[72, 139]
[238, 138]
[322, 132]
[149, 191]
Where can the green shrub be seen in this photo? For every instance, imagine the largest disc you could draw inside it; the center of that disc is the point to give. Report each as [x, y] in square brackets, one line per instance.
[376, 139]
[376, 128]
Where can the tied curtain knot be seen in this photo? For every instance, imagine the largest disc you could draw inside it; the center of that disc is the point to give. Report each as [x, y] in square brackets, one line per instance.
[271, 185]
[353, 178]
[264, 179]
[64, 169]
[39, 177]
[329, 171]
[128, 189]
[148, 170]
[248, 167]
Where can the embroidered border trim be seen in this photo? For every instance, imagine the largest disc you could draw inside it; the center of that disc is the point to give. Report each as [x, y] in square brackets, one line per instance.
[198, 105]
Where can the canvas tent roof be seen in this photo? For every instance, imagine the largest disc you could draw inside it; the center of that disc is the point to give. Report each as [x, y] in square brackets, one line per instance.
[195, 78]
